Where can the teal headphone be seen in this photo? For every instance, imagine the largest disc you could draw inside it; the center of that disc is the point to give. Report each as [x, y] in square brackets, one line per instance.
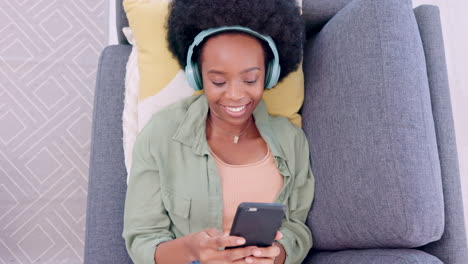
[192, 71]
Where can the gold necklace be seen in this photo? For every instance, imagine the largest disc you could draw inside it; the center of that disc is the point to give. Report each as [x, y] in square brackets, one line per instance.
[236, 137]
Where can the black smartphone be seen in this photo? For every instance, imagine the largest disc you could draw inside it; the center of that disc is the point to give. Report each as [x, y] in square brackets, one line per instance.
[257, 223]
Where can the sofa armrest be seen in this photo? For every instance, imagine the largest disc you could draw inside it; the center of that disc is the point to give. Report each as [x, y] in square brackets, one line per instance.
[452, 247]
[107, 173]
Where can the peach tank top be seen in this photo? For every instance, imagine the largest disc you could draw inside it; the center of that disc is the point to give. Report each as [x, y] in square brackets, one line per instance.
[258, 182]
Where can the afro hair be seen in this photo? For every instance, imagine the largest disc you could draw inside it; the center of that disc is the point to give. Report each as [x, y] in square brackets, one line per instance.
[279, 19]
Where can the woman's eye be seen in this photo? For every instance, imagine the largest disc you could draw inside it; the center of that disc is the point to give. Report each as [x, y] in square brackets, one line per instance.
[219, 83]
[251, 82]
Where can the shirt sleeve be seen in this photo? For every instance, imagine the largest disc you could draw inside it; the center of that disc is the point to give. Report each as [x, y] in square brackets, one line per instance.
[297, 237]
[146, 221]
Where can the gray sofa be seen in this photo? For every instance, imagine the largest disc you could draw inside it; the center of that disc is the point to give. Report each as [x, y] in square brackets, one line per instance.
[378, 118]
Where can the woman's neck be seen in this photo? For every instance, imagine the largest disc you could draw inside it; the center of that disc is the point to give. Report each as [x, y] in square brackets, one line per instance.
[221, 126]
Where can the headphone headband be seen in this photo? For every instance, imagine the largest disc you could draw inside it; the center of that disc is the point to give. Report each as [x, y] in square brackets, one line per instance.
[192, 70]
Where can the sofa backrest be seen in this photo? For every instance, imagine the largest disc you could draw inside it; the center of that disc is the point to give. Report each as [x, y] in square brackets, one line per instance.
[368, 117]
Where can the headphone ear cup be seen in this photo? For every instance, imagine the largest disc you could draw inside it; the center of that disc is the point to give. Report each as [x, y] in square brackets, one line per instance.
[189, 75]
[197, 76]
[272, 74]
[268, 75]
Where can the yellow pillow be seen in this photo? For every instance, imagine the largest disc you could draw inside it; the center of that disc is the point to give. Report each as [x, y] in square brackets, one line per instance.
[157, 66]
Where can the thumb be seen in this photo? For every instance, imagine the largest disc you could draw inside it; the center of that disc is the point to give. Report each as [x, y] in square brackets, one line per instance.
[278, 235]
[213, 232]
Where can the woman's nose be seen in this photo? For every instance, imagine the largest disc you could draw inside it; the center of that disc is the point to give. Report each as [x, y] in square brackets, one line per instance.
[234, 91]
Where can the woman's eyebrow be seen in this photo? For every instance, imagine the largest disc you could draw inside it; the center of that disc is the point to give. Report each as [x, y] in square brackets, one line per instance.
[250, 69]
[216, 72]
[243, 71]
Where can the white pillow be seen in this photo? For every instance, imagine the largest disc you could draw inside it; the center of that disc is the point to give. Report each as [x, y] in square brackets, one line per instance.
[130, 113]
[137, 114]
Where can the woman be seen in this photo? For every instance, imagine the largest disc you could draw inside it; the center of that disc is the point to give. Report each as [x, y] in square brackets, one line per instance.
[198, 159]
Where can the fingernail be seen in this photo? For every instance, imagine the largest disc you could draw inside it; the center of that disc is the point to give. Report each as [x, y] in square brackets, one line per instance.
[240, 241]
[257, 253]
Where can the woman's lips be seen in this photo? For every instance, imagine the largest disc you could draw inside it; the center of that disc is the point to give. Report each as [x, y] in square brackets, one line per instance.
[236, 111]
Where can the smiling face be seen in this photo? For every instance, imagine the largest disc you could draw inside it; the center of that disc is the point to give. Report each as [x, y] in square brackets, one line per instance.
[233, 72]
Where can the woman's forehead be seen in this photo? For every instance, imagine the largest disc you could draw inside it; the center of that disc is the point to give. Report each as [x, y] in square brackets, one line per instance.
[232, 47]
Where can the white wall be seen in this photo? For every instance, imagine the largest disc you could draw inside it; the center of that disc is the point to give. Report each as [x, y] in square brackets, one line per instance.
[112, 26]
[455, 31]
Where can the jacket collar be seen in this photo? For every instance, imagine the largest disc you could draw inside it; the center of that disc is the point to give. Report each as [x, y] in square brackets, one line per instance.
[191, 131]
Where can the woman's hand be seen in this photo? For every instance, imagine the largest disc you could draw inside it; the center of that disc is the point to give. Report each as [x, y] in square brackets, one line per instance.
[268, 255]
[206, 246]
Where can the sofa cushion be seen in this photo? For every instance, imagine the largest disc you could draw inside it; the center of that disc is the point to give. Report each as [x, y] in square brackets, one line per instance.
[368, 118]
[317, 12]
[372, 256]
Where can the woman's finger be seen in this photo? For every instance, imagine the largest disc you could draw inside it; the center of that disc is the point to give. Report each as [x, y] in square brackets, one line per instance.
[225, 241]
[279, 235]
[205, 237]
[236, 254]
[213, 232]
[266, 252]
[254, 260]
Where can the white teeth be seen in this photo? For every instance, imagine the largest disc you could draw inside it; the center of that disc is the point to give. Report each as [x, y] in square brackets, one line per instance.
[236, 109]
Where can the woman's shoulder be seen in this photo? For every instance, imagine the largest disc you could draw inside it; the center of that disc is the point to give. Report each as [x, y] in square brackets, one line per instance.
[166, 121]
[282, 126]
[173, 113]
[291, 137]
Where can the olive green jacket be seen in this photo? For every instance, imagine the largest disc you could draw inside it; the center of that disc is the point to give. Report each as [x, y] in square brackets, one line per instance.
[174, 187]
